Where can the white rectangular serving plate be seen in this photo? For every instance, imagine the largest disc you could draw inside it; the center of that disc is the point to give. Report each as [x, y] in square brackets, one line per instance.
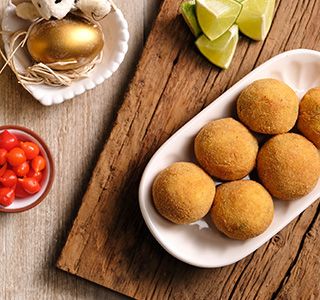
[199, 243]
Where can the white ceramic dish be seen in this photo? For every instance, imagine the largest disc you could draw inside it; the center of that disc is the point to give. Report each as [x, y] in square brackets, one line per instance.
[115, 28]
[200, 244]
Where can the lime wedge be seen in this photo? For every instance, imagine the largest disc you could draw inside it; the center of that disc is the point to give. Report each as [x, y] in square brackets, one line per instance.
[220, 51]
[215, 17]
[188, 11]
[256, 17]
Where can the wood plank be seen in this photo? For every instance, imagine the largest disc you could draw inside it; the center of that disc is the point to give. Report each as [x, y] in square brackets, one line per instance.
[75, 131]
[300, 280]
[109, 243]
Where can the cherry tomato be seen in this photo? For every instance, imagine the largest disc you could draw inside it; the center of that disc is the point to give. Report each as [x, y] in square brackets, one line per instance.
[38, 163]
[30, 185]
[22, 170]
[16, 157]
[6, 196]
[3, 169]
[8, 179]
[20, 192]
[36, 175]
[30, 149]
[3, 154]
[8, 141]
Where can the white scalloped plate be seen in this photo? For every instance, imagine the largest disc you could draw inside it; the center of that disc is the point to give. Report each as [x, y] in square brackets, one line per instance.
[115, 28]
[200, 244]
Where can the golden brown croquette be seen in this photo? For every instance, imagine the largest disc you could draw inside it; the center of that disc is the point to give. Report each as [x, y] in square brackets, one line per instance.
[242, 209]
[183, 193]
[226, 149]
[268, 106]
[309, 116]
[288, 166]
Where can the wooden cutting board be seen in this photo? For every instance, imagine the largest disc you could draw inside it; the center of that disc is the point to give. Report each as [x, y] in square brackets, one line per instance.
[109, 243]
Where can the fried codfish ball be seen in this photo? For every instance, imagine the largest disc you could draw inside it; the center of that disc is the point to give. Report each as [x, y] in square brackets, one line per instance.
[288, 166]
[226, 149]
[309, 116]
[242, 209]
[183, 193]
[268, 106]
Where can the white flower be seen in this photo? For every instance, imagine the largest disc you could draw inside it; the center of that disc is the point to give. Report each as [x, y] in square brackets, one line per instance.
[96, 9]
[53, 8]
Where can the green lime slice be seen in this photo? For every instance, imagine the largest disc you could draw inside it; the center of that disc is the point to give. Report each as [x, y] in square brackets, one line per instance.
[188, 11]
[215, 17]
[256, 17]
[220, 51]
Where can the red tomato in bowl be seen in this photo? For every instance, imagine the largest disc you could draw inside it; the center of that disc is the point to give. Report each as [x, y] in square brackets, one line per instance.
[6, 196]
[22, 170]
[3, 156]
[38, 163]
[8, 141]
[9, 179]
[20, 192]
[30, 149]
[30, 185]
[36, 175]
[16, 157]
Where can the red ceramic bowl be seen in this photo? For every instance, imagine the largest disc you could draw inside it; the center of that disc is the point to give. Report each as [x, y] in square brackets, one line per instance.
[20, 205]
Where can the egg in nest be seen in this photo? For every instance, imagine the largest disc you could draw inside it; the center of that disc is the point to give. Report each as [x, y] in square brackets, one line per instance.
[65, 44]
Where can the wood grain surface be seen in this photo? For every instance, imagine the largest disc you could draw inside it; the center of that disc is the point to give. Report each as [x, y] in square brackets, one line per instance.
[109, 243]
[75, 131]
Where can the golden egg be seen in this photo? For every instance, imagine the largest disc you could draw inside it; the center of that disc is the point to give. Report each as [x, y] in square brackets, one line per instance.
[65, 44]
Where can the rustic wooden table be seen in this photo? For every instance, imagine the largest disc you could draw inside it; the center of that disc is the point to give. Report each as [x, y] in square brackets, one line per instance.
[75, 131]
